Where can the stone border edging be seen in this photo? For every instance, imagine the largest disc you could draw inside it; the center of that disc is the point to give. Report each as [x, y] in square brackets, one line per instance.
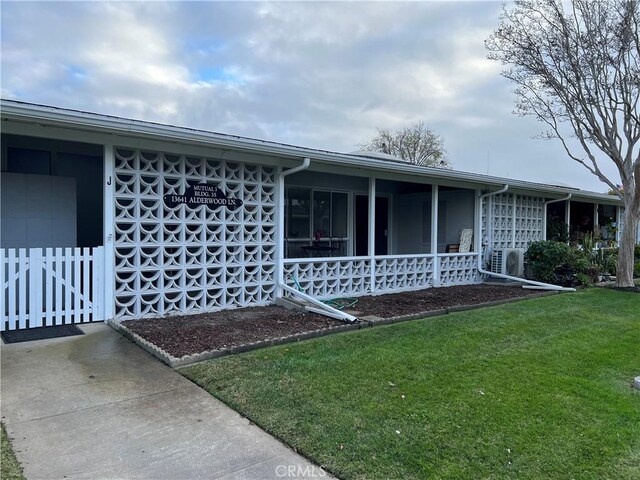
[174, 362]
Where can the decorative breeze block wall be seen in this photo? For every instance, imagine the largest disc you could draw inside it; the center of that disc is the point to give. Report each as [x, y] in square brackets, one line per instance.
[329, 278]
[459, 270]
[502, 220]
[191, 259]
[403, 273]
[529, 219]
[529, 212]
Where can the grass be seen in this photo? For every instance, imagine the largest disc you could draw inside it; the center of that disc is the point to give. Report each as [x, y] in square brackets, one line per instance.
[537, 389]
[10, 469]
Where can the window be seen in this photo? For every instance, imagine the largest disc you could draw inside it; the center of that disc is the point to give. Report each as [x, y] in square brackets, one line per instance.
[298, 215]
[321, 215]
[315, 216]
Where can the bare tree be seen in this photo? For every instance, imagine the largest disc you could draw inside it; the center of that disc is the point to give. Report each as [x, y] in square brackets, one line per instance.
[575, 67]
[413, 144]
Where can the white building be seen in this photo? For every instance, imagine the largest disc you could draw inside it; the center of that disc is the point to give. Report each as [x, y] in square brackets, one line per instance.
[105, 217]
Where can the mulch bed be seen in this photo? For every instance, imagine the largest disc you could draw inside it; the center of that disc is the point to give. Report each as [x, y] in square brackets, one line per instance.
[419, 301]
[186, 335]
[190, 334]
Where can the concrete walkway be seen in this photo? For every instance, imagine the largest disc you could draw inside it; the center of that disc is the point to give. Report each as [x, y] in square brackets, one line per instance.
[96, 406]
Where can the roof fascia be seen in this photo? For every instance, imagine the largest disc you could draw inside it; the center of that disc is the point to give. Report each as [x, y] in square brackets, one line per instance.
[29, 113]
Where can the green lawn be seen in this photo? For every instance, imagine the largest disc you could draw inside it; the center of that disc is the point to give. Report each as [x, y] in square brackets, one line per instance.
[10, 469]
[537, 389]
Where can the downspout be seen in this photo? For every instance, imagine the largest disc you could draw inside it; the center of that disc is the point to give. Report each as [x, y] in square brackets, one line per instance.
[489, 215]
[318, 307]
[539, 285]
[544, 224]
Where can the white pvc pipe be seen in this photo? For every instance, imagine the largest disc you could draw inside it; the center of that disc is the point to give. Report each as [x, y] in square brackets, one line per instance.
[328, 310]
[489, 194]
[481, 270]
[489, 216]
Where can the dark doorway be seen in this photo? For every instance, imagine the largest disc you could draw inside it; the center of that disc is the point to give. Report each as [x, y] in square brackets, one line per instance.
[581, 219]
[382, 225]
[362, 225]
[557, 228]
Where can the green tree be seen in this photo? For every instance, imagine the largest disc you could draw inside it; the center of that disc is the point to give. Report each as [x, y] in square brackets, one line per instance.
[414, 144]
[575, 67]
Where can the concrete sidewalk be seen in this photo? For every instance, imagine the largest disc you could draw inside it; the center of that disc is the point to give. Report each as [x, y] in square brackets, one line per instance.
[96, 406]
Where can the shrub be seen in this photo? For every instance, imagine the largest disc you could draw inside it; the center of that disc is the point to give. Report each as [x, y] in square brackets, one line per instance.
[557, 230]
[545, 257]
[558, 263]
[607, 260]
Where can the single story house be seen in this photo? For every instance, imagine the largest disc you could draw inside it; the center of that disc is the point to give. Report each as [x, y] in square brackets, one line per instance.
[106, 217]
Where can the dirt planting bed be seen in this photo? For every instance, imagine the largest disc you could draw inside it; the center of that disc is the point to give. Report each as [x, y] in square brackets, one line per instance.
[187, 335]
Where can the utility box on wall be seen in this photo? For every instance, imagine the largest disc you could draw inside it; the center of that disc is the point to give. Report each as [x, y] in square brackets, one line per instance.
[37, 211]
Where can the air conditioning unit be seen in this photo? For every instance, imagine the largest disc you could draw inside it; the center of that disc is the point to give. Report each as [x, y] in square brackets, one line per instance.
[509, 261]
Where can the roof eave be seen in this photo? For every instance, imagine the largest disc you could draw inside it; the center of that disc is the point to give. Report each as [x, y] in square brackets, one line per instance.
[26, 112]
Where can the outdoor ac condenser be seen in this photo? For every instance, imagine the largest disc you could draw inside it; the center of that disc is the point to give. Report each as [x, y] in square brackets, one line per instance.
[509, 261]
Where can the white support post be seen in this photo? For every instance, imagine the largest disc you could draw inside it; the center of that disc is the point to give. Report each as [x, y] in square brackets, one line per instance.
[280, 233]
[372, 231]
[596, 219]
[109, 233]
[567, 216]
[545, 216]
[434, 235]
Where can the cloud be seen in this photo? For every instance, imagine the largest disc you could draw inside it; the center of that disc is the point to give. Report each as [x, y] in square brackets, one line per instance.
[322, 74]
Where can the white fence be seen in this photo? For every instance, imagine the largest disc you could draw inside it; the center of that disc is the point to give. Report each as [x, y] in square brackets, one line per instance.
[50, 286]
[329, 277]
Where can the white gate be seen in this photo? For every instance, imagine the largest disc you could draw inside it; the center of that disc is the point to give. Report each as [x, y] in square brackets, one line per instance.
[42, 287]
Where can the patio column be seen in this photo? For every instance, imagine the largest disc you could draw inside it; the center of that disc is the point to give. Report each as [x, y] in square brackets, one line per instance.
[596, 219]
[108, 216]
[280, 233]
[372, 232]
[567, 216]
[477, 223]
[434, 235]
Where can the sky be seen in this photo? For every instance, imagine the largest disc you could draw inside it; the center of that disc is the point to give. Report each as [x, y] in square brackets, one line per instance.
[316, 74]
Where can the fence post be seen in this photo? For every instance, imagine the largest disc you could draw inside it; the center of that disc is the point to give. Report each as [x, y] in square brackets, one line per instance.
[77, 291]
[3, 289]
[35, 287]
[23, 267]
[68, 286]
[58, 285]
[97, 292]
[86, 284]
